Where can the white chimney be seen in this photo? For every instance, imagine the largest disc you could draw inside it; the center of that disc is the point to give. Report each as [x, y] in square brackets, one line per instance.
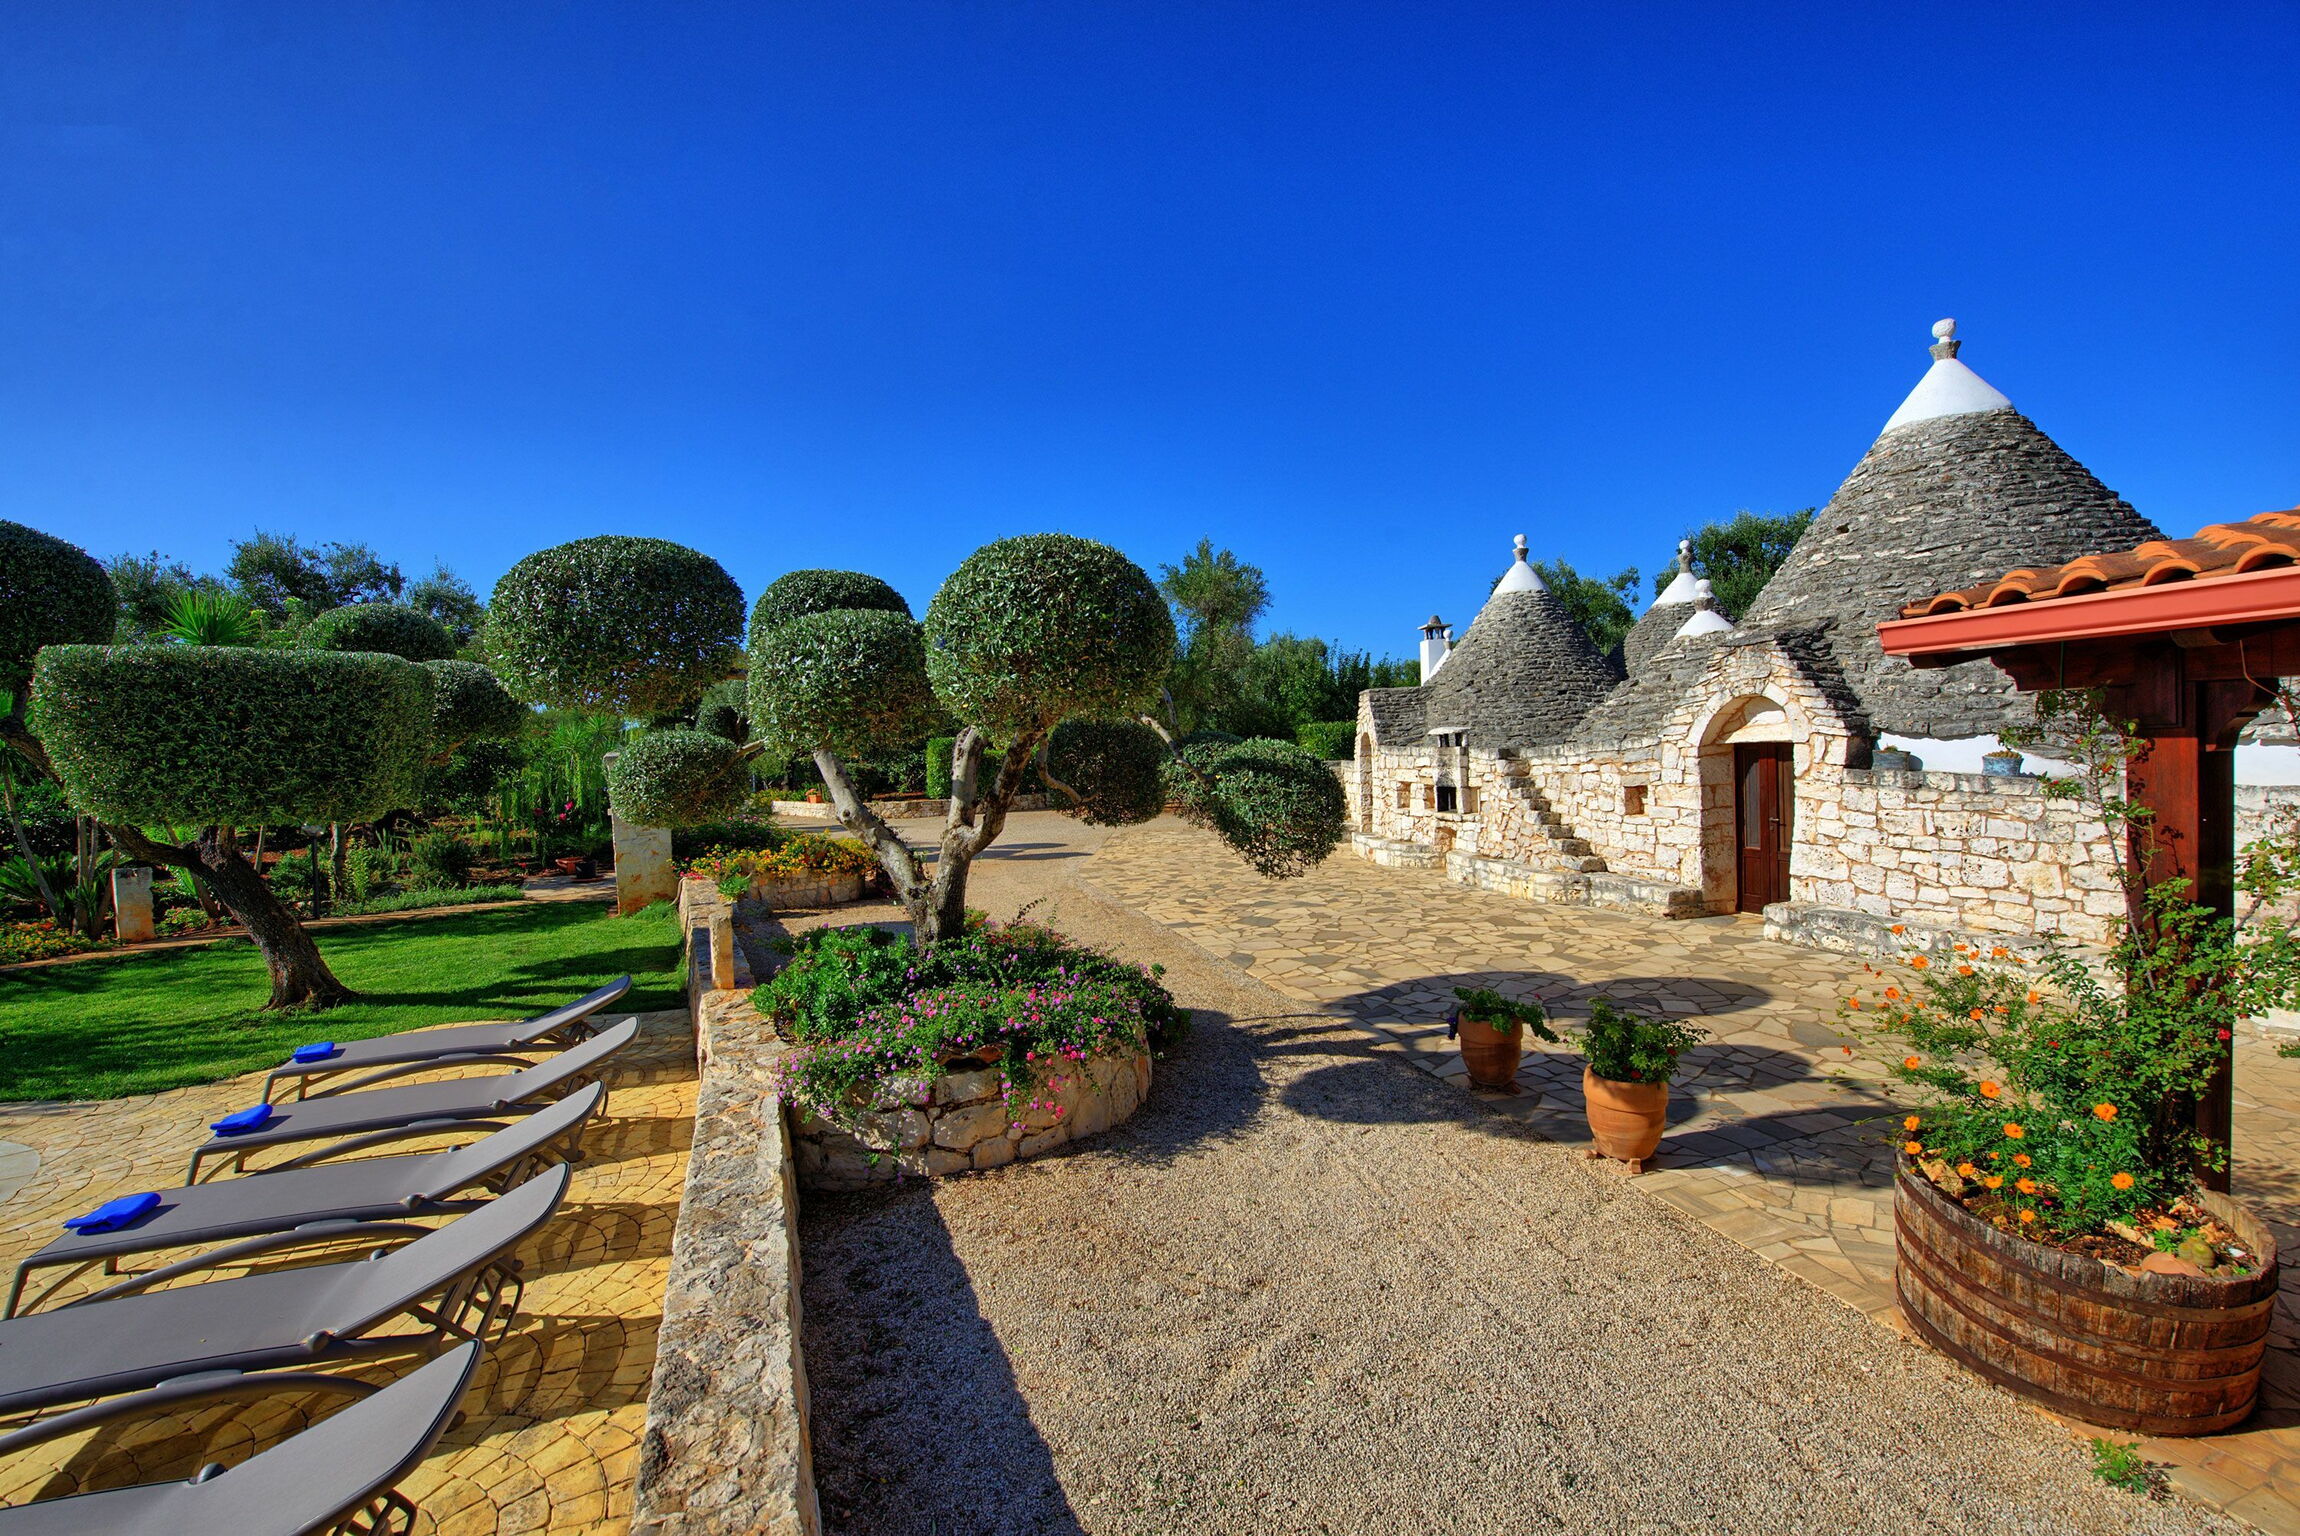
[1437, 645]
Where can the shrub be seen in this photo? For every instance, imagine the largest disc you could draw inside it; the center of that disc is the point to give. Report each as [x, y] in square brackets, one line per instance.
[171, 735]
[439, 859]
[735, 870]
[1625, 1047]
[1329, 740]
[938, 751]
[1114, 766]
[1030, 631]
[1279, 807]
[368, 870]
[470, 703]
[51, 593]
[851, 680]
[799, 593]
[670, 778]
[387, 628]
[636, 626]
[43, 940]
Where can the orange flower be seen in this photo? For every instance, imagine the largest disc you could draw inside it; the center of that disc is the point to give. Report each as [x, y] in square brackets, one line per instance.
[2020, 1159]
[2001, 1008]
[1960, 949]
[1910, 1124]
[1912, 1062]
[2028, 1215]
[2025, 1186]
[1900, 927]
[1892, 992]
[1995, 1181]
[1964, 970]
[1853, 1003]
[2035, 998]
[1990, 1090]
[1996, 1157]
[1919, 961]
[2120, 1180]
[2105, 1111]
[1965, 1170]
[1976, 1015]
[1913, 1148]
[1999, 952]
[2012, 1129]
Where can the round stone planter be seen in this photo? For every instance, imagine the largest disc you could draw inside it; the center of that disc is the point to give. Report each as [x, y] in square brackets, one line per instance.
[2161, 1354]
[959, 1121]
[807, 891]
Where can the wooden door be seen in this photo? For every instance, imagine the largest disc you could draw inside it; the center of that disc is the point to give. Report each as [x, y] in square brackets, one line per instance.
[1764, 814]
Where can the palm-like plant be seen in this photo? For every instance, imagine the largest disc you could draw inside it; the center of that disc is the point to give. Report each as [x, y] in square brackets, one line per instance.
[212, 618]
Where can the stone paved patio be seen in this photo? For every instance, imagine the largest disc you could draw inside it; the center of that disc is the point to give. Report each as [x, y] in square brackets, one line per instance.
[1770, 1140]
[550, 1437]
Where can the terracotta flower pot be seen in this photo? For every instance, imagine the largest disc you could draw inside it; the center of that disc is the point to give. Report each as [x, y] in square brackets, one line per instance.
[1491, 1054]
[1625, 1119]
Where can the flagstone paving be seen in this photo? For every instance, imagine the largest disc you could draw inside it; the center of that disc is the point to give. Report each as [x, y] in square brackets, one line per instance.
[1773, 1138]
[550, 1437]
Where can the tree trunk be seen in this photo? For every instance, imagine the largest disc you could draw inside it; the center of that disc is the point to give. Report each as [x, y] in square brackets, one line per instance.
[48, 896]
[338, 863]
[300, 978]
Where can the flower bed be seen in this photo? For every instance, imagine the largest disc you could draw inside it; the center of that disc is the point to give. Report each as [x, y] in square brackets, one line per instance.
[43, 940]
[800, 870]
[1003, 1043]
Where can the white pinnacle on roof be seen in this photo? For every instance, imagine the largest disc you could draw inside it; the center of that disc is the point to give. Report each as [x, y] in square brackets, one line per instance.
[1948, 388]
[1521, 576]
[1680, 589]
[1706, 620]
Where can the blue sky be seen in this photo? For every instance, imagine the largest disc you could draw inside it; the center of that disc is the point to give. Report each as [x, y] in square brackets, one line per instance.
[1356, 290]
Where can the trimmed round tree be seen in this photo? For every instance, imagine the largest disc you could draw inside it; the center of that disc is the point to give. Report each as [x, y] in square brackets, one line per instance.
[468, 703]
[387, 628]
[221, 737]
[51, 593]
[1111, 770]
[636, 626]
[1276, 803]
[796, 594]
[677, 778]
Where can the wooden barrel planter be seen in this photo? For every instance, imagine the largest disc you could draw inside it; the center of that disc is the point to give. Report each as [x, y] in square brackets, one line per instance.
[2161, 1354]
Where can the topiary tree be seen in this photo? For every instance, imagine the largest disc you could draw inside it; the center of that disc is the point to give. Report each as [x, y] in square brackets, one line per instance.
[51, 593]
[721, 712]
[386, 628]
[468, 703]
[1027, 634]
[154, 738]
[799, 593]
[1278, 804]
[637, 626]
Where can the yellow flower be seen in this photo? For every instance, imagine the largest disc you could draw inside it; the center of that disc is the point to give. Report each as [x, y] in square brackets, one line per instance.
[2105, 1111]
[2120, 1180]
[1990, 1090]
[1910, 1124]
[2012, 1129]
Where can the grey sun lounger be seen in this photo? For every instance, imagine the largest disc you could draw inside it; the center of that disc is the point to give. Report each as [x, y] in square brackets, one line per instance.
[335, 1476]
[390, 1114]
[272, 1211]
[421, 1050]
[289, 1319]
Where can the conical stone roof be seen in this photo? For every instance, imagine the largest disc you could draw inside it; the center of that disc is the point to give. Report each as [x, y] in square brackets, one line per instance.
[1658, 624]
[1944, 498]
[1525, 673]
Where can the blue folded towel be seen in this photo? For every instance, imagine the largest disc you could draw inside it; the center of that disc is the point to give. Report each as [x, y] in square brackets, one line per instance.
[113, 1214]
[241, 1121]
[318, 1050]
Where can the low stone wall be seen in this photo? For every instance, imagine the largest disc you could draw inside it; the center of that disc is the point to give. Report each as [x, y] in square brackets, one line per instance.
[726, 1451]
[1578, 888]
[807, 891]
[961, 1121]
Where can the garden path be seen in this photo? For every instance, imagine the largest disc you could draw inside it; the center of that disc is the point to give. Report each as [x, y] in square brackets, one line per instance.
[1308, 1290]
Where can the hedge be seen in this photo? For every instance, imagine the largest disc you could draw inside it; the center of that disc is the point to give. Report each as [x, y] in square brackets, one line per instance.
[1031, 631]
[1330, 740]
[1114, 765]
[51, 593]
[469, 703]
[188, 736]
[1279, 807]
[638, 627]
[849, 679]
[677, 778]
[938, 751]
[799, 593]
[388, 628]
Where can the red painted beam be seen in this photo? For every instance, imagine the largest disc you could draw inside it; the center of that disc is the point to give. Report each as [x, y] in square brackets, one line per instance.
[2210, 602]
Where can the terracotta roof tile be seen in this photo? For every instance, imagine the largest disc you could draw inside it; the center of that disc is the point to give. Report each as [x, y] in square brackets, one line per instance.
[2224, 549]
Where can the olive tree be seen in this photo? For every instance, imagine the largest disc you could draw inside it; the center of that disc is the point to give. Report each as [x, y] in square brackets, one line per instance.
[388, 628]
[637, 627]
[1029, 635]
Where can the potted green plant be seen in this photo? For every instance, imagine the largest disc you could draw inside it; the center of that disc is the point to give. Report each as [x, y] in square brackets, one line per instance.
[1492, 1032]
[1625, 1085]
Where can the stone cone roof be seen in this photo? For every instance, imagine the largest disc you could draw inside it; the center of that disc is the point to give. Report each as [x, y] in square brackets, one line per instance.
[1523, 676]
[1654, 628]
[1937, 504]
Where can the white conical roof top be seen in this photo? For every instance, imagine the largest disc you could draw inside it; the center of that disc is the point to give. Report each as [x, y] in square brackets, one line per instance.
[1948, 388]
[1521, 576]
[1705, 619]
[1680, 590]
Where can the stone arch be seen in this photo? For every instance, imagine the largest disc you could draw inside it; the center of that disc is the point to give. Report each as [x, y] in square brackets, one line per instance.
[1762, 716]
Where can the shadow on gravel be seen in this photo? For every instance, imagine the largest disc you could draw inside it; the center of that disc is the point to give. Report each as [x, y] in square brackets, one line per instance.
[1426, 999]
[919, 1426]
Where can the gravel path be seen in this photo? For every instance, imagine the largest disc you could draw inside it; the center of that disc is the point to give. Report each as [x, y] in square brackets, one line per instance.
[1310, 1289]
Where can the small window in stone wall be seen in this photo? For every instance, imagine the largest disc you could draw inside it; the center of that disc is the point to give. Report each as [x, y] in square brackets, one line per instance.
[1633, 800]
[1405, 796]
[1448, 799]
[1469, 799]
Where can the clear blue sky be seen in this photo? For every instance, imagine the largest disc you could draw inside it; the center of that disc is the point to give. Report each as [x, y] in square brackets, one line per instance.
[1358, 291]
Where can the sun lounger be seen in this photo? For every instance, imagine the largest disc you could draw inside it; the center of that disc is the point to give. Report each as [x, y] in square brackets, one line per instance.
[459, 1280]
[421, 1050]
[335, 1476]
[389, 1114]
[270, 1211]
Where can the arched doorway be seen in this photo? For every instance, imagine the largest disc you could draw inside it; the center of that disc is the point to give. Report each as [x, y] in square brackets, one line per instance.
[1748, 772]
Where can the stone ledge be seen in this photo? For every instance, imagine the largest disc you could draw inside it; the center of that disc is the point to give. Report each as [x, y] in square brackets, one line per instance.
[1508, 877]
[1846, 932]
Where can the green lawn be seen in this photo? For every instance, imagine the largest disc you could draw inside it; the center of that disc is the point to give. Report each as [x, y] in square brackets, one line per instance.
[142, 1022]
